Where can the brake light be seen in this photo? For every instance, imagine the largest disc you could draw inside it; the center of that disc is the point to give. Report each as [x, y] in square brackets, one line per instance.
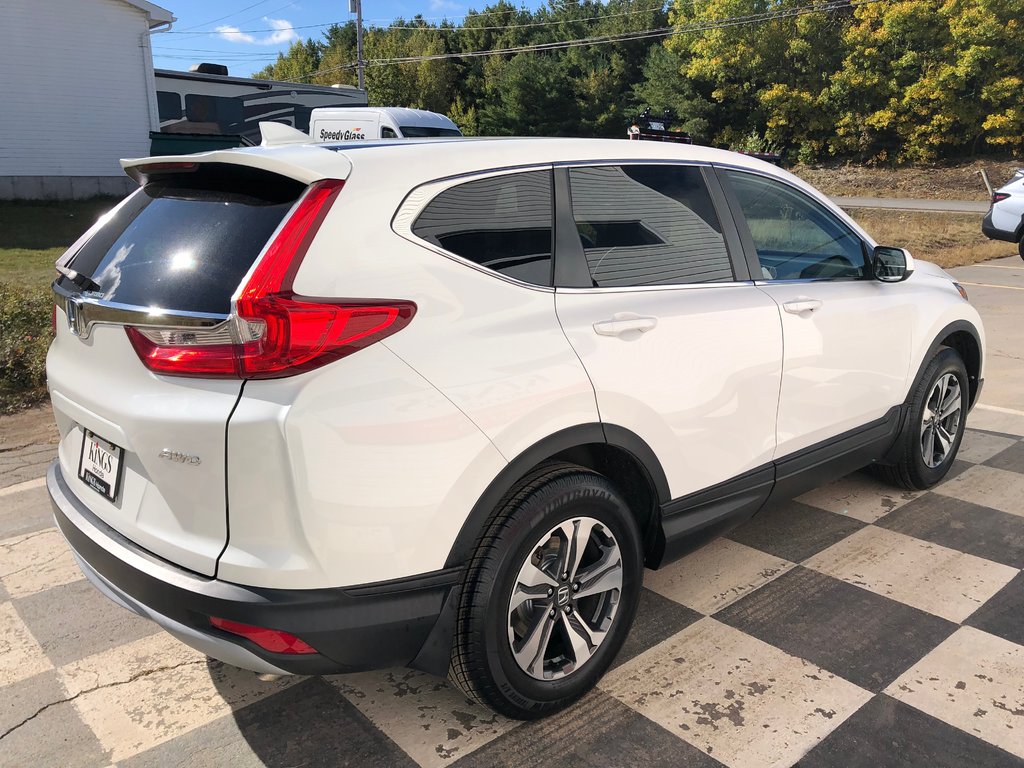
[999, 196]
[274, 332]
[273, 640]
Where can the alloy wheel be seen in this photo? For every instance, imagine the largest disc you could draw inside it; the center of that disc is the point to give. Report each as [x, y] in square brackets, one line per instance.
[565, 598]
[940, 421]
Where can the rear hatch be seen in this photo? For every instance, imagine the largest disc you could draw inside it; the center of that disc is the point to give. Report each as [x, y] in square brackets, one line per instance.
[146, 452]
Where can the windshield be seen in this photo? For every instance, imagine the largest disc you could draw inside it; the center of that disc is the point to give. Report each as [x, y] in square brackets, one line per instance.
[422, 132]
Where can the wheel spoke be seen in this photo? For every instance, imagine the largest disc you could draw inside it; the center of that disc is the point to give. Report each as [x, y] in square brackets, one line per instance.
[583, 639]
[951, 404]
[534, 645]
[929, 446]
[600, 577]
[533, 583]
[945, 440]
[577, 534]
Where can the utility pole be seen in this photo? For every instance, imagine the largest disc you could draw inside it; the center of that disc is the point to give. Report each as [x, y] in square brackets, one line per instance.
[356, 7]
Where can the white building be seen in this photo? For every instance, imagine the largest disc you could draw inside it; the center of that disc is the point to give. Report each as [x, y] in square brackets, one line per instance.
[76, 94]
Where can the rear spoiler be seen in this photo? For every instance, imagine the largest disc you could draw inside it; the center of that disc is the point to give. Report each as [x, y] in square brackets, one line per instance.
[305, 162]
[276, 134]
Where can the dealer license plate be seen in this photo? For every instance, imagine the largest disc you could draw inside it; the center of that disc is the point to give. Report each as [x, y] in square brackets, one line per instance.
[100, 465]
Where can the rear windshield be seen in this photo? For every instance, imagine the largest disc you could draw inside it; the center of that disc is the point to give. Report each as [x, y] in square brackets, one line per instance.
[186, 240]
[421, 132]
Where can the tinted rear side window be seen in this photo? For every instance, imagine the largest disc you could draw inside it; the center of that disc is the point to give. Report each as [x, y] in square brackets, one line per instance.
[502, 223]
[186, 242]
[423, 132]
[648, 225]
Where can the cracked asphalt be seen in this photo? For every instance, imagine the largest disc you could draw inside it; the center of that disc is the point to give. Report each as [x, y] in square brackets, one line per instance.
[859, 626]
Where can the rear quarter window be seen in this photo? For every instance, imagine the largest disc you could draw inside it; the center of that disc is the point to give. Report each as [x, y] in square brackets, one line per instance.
[502, 223]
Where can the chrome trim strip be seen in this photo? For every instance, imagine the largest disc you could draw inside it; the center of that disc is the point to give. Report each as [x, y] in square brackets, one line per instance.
[669, 287]
[90, 309]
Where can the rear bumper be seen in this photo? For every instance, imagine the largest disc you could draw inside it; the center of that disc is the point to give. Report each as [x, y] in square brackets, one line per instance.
[992, 233]
[352, 628]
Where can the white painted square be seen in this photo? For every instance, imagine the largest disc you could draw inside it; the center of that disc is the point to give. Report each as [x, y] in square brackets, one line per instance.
[36, 561]
[858, 496]
[21, 656]
[742, 701]
[426, 716]
[1006, 421]
[974, 681]
[144, 693]
[936, 579]
[716, 575]
[990, 487]
[977, 447]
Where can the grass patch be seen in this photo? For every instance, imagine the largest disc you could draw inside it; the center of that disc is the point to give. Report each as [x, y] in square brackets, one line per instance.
[947, 239]
[958, 181]
[33, 234]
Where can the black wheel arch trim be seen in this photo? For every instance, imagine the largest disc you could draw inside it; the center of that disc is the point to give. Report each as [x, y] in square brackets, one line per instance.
[563, 440]
[957, 326]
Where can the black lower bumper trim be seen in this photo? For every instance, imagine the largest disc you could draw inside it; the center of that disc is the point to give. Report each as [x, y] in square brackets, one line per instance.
[989, 231]
[353, 628]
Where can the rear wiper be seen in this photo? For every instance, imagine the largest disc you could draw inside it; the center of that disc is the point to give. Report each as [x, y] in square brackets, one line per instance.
[84, 282]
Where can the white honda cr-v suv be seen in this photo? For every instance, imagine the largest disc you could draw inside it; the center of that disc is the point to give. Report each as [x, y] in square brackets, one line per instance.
[325, 408]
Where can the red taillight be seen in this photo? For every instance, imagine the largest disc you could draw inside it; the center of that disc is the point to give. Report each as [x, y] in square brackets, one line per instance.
[53, 320]
[273, 640]
[274, 332]
[999, 196]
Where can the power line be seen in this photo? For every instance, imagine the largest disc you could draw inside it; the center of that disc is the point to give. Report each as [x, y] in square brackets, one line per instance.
[221, 18]
[733, 21]
[534, 23]
[444, 18]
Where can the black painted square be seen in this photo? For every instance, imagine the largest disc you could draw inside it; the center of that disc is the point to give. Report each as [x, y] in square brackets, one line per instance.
[597, 732]
[962, 526]
[886, 733]
[657, 619]
[795, 531]
[1011, 458]
[75, 620]
[1003, 614]
[860, 636]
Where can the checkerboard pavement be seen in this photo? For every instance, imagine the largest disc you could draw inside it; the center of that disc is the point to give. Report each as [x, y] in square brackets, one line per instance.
[857, 625]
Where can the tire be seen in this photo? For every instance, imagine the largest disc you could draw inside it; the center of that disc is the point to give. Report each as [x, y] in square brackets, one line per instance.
[915, 469]
[493, 658]
[1020, 248]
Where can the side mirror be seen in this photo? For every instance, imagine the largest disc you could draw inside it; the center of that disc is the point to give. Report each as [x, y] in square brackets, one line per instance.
[891, 265]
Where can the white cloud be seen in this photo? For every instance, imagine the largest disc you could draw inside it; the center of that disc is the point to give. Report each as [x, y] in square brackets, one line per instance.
[283, 32]
[235, 35]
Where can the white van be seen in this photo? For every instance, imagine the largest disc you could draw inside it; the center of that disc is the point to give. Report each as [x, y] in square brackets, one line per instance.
[360, 123]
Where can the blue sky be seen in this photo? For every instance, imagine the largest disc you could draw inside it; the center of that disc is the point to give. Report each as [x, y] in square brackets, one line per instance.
[247, 35]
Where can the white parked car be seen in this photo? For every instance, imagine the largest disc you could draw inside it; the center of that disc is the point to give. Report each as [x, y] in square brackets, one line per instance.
[326, 408]
[1005, 219]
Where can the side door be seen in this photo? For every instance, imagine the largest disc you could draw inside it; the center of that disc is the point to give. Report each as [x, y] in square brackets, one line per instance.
[652, 293]
[847, 336]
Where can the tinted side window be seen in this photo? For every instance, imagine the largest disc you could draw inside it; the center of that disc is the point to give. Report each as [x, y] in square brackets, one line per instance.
[648, 225]
[502, 223]
[796, 238]
[168, 105]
